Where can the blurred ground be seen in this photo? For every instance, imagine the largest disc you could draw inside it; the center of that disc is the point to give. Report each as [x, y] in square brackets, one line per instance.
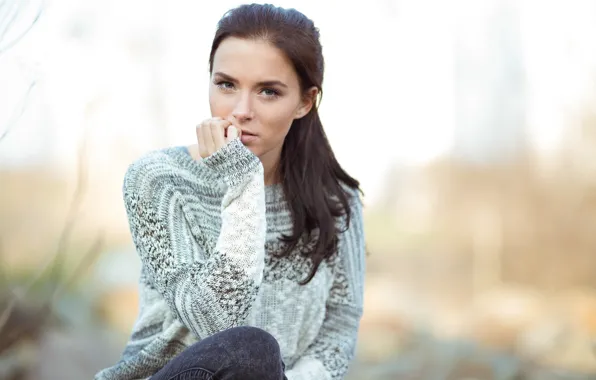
[474, 273]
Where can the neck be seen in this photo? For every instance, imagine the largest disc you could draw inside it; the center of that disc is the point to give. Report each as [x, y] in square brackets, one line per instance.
[270, 162]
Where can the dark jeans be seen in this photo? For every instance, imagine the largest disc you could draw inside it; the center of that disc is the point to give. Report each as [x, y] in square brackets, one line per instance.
[239, 353]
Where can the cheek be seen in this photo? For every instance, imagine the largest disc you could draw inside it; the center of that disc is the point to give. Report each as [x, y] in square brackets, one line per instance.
[220, 105]
[278, 125]
[277, 120]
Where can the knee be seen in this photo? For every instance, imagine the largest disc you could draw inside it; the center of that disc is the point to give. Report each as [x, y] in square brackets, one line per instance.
[254, 352]
[253, 340]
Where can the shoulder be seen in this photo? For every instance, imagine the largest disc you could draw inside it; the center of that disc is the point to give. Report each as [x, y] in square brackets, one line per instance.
[350, 223]
[354, 194]
[159, 171]
[154, 163]
[354, 197]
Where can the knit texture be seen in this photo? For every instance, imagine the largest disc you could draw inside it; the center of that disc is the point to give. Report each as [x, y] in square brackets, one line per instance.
[207, 233]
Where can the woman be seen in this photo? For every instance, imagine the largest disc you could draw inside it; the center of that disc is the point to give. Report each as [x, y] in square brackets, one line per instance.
[251, 241]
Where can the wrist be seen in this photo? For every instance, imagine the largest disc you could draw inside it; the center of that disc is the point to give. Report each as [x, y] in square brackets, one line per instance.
[233, 162]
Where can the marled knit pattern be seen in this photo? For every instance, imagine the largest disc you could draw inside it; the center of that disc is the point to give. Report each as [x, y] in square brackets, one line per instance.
[206, 233]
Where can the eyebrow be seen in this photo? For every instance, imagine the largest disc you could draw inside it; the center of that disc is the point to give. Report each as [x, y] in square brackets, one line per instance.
[267, 83]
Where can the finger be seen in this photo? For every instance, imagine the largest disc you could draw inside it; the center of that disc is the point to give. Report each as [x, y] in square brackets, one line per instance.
[232, 133]
[218, 132]
[201, 141]
[208, 138]
[232, 119]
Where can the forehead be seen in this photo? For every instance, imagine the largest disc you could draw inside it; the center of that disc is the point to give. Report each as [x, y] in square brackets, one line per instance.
[253, 61]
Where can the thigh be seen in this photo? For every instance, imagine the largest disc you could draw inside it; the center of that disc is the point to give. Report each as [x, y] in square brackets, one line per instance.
[242, 353]
[184, 366]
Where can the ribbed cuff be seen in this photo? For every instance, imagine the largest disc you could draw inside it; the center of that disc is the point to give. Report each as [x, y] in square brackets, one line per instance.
[233, 161]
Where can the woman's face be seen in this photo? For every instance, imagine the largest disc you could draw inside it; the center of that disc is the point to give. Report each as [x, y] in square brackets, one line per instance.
[254, 82]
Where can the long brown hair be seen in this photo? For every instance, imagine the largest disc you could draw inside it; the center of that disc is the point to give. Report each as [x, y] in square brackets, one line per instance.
[313, 181]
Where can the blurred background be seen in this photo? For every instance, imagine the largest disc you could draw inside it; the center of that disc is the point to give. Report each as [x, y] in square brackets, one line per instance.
[471, 125]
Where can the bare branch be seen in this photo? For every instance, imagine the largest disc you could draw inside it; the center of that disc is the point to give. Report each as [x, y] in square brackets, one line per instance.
[6, 313]
[53, 263]
[3, 276]
[75, 205]
[84, 264]
[11, 313]
[9, 13]
[18, 112]
[6, 21]
[8, 16]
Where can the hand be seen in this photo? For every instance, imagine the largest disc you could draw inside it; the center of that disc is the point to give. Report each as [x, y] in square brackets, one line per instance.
[214, 133]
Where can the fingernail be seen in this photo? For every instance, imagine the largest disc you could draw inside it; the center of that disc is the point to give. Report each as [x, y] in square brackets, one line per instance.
[232, 132]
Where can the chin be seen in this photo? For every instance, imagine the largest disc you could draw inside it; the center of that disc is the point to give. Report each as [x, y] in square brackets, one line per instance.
[255, 150]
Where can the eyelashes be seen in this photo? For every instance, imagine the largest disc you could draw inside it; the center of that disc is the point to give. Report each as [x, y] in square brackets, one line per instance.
[267, 92]
[223, 85]
[273, 93]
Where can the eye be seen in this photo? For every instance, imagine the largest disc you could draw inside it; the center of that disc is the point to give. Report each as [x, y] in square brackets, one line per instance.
[224, 85]
[270, 92]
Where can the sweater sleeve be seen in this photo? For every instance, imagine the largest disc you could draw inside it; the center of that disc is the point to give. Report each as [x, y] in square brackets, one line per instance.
[328, 357]
[218, 292]
[149, 335]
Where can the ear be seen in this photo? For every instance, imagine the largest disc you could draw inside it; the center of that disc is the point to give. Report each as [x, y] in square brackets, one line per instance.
[307, 102]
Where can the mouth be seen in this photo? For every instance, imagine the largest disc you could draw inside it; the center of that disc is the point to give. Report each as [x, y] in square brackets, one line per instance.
[242, 133]
[247, 137]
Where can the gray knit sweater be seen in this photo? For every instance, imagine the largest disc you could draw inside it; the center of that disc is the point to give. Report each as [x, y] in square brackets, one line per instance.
[206, 233]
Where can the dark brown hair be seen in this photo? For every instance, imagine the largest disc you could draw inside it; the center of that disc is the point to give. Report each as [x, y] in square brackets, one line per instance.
[312, 178]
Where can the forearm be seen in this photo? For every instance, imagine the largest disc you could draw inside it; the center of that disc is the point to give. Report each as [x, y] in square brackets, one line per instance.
[218, 292]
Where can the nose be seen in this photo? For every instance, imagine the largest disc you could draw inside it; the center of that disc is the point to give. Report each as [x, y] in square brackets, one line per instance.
[243, 110]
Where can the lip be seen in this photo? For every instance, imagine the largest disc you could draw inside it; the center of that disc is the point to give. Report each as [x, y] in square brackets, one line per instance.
[247, 137]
